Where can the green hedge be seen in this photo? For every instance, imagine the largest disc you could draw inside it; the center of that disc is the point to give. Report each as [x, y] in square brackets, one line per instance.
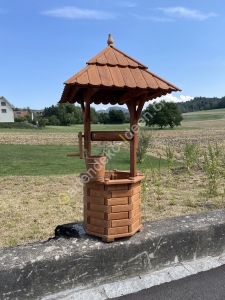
[17, 125]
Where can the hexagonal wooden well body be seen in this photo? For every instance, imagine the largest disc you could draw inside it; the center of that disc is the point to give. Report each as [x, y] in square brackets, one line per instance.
[112, 208]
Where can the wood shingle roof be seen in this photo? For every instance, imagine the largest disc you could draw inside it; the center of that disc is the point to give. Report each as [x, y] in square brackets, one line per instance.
[114, 73]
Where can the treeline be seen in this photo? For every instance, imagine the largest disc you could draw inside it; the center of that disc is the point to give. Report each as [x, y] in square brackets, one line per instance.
[68, 114]
[201, 103]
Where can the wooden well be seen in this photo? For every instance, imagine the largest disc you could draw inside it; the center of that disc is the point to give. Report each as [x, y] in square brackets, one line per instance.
[112, 208]
[112, 200]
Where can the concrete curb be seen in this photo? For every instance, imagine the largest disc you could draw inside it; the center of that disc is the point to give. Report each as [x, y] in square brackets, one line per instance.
[34, 271]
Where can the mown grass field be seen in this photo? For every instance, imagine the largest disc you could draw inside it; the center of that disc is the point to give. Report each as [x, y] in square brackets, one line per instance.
[35, 171]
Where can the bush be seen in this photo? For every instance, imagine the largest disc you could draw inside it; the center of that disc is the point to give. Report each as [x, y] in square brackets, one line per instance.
[143, 144]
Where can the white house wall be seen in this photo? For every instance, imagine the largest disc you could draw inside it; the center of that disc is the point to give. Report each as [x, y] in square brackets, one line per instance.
[8, 115]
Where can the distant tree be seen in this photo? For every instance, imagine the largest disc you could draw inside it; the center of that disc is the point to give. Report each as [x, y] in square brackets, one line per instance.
[163, 114]
[116, 116]
[94, 115]
[53, 120]
[103, 118]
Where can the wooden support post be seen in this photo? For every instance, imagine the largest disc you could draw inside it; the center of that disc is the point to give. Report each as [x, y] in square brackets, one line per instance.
[134, 141]
[80, 145]
[87, 122]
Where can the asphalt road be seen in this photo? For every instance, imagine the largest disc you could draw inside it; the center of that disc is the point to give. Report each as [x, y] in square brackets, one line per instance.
[209, 285]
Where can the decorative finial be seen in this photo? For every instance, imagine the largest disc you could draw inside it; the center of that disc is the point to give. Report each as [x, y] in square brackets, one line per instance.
[110, 40]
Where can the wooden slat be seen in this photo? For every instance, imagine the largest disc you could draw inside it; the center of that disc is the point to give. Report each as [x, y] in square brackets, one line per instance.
[124, 222]
[120, 208]
[135, 197]
[150, 80]
[98, 193]
[136, 204]
[105, 75]
[162, 84]
[111, 136]
[101, 59]
[116, 187]
[116, 77]
[132, 63]
[134, 212]
[83, 78]
[101, 208]
[128, 78]
[117, 230]
[94, 76]
[136, 190]
[138, 77]
[134, 226]
[94, 228]
[101, 223]
[96, 200]
[125, 193]
[96, 214]
[95, 186]
[117, 201]
[122, 61]
[117, 216]
[110, 57]
[134, 185]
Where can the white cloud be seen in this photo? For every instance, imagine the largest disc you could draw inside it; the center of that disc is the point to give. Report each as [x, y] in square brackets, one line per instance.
[170, 98]
[127, 4]
[152, 18]
[78, 13]
[187, 13]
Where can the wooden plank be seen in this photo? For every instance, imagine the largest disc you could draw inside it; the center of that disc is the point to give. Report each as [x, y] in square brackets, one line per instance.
[95, 186]
[96, 214]
[94, 77]
[94, 228]
[99, 222]
[134, 226]
[96, 200]
[116, 230]
[97, 193]
[135, 197]
[150, 80]
[110, 57]
[136, 190]
[134, 212]
[136, 204]
[134, 185]
[124, 222]
[122, 61]
[116, 187]
[128, 78]
[105, 76]
[117, 201]
[120, 208]
[111, 136]
[140, 80]
[116, 76]
[119, 193]
[101, 208]
[117, 216]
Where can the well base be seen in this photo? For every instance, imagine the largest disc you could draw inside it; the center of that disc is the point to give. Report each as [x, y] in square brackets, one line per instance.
[112, 208]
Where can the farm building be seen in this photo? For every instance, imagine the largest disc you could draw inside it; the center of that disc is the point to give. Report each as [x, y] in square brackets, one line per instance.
[6, 110]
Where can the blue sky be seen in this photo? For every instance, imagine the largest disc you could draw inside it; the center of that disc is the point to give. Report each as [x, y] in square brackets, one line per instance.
[43, 43]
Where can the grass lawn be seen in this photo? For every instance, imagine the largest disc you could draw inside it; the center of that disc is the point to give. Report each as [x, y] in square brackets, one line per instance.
[33, 160]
